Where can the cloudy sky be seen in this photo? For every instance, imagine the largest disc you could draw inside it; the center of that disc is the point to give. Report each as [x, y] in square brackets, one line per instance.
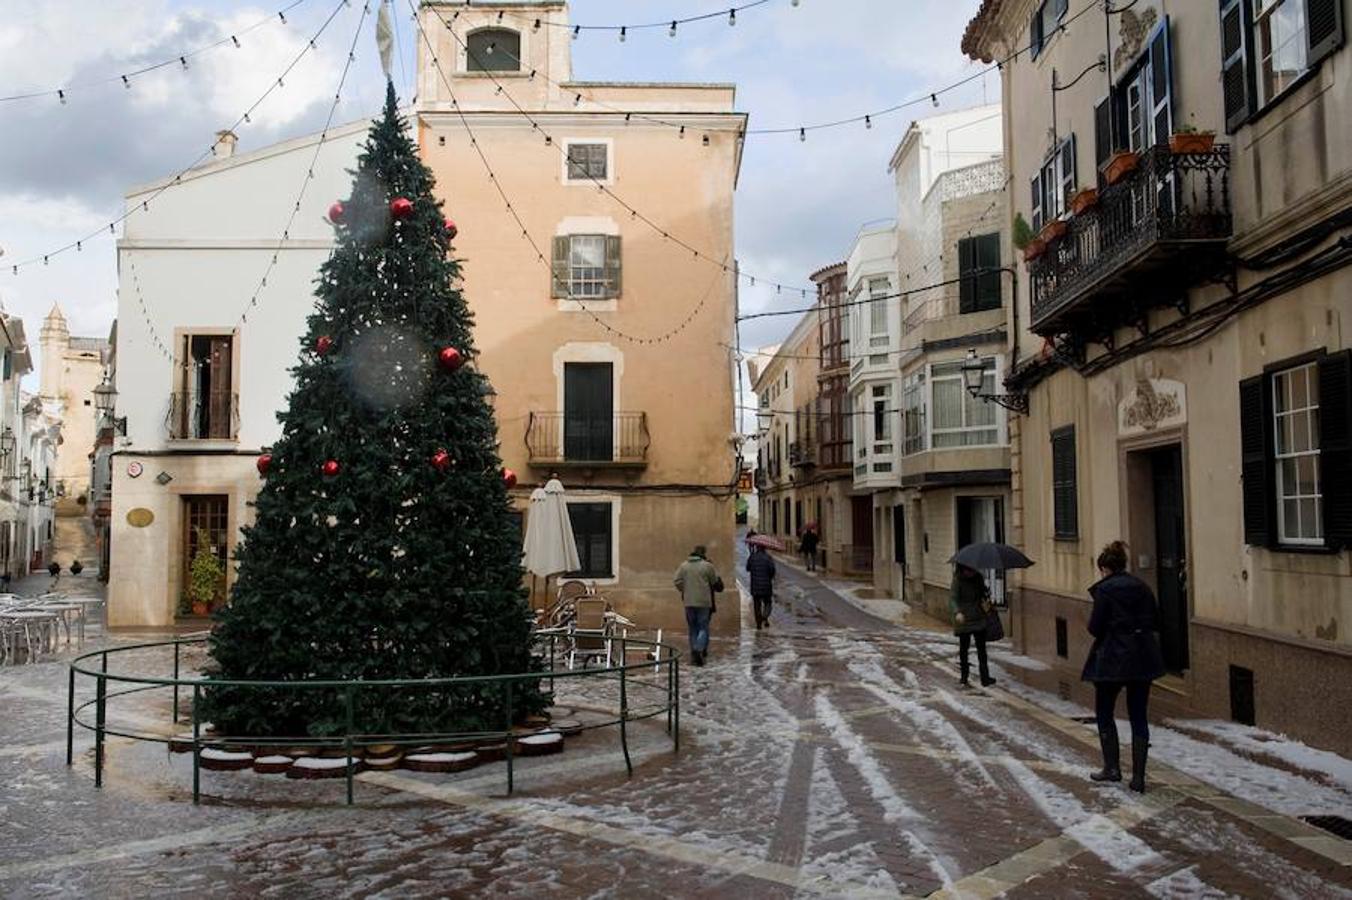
[64, 168]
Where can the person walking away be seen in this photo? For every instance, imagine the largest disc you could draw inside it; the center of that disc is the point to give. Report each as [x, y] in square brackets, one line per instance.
[761, 567]
[808, 547]
[969, 602]
[698, 581]
[1125, 655]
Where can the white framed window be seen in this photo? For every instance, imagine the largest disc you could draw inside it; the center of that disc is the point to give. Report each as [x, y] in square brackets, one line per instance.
[1281, 46]
[958, 418]
[877, 291]
[493, 50]
[1295, 410]
[588, 161]
[586, 266]
[913, 439]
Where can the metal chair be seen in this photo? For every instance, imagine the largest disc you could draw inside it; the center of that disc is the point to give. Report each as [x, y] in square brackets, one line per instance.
[589, 637]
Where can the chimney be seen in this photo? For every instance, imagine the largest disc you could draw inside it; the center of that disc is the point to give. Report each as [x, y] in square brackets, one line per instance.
[224, 148]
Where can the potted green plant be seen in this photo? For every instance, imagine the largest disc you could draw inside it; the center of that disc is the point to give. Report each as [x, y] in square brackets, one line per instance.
[205, 576]
[1188, 138]
[1025, 240]
[1120, 165]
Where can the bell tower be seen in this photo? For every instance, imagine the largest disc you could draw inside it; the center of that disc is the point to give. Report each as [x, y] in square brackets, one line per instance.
[55, 341]
[523, 46]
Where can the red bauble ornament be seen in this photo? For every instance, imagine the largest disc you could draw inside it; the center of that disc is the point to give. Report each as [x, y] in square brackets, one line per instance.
[323, 344]
[336, 212]
[451, 230]
[450, 358]
[441, 460]
[401, 207]
[264, 463]
[331, 468]
[509, 478]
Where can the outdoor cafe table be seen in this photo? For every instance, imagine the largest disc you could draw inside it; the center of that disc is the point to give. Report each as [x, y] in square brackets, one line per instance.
[85, 603]
[27, 618]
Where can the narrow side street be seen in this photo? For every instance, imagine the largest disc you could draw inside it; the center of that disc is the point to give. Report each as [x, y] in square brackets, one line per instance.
[832, 755]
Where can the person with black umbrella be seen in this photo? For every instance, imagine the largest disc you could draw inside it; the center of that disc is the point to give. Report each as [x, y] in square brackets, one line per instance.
[969, 602]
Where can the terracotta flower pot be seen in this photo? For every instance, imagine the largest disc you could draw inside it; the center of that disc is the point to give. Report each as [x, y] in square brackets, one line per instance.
[1192, 142]
[200, 609]
[1085, 198]
[1121, 164]
[1053, 231]
[1036, 247]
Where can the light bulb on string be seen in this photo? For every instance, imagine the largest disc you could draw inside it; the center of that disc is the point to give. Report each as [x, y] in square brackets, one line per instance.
[184, 61]
[672, 31]
[235, 41]
[623, 32]
[61, 95]
[577, 29]
[868, 122]
[802, 134]
[126, 83]
[537, 25]
[934, 98]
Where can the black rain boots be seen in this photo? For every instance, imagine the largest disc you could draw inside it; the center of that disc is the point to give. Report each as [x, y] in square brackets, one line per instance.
[1112, 758]
[1139, 751]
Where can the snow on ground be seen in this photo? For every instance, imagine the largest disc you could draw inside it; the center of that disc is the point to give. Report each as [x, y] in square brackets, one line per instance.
[1336, 769]
[836, 849]
[1184, 885]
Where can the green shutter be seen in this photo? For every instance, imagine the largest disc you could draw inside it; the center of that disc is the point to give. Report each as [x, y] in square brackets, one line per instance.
[966, 265]
[1335, 447]
[1324, 28]
[613, 266]
[1256, 470]
[1236, 73]
[560, 271]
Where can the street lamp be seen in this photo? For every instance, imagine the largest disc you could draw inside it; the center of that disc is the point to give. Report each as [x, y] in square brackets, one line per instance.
[105, 401]
[974, 375]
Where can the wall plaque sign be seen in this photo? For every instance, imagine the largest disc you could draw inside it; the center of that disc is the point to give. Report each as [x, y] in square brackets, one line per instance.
[139, 517]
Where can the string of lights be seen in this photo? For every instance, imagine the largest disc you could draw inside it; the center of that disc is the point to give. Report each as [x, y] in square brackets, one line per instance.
[525, 232]
[62, 93]
[867, 119]
[156, 341]
[246, 118]
[670, 24]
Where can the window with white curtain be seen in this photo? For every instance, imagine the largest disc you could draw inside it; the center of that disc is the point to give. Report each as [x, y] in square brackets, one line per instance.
[958, 418]
[913, 410]
[877, 291]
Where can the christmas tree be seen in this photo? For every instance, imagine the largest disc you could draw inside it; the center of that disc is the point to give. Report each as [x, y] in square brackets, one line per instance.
[383, 546]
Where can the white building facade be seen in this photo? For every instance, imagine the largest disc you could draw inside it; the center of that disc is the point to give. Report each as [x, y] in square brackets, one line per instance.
[201, 370]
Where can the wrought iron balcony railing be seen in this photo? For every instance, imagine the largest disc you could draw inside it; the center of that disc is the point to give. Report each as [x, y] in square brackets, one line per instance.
[617, 440]
[1159, 230]
[203, 416]
[802, 456]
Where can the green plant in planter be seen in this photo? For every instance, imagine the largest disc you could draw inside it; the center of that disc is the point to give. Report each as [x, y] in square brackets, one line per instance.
[205, 575]
[1023, 232]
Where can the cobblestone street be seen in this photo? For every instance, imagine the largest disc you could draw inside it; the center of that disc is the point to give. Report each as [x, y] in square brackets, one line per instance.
[833, 755]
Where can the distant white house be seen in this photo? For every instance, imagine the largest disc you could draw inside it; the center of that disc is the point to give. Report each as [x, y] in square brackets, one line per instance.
[201, 374]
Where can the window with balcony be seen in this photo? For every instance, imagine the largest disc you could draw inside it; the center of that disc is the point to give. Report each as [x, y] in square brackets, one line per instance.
[587, 267]
[1296, 444]
[961, 420]
[594, 534]
[1268, 46]
[978, 265]
[493, 50]
[1047, 17]
[588, 162]
[204, 405]
[1053, 184]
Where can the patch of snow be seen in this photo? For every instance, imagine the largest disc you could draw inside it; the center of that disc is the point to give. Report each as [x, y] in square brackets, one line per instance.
[544, 737]
[1185, 885]
[1014, 730]
[894, 808]
[273, 760]
[836, 850]
[319, 763]
[1098, 834]
[1335, 768]
[218, 755]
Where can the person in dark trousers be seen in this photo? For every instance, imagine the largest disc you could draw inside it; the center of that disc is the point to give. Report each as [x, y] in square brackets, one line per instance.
[807, 545]
[969, 602]
[761, 567]
[698, 581]
[1125, 655]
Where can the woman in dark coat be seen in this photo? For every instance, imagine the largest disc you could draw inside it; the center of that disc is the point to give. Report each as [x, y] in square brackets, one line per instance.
[969, 602]
[761, 567]
[1125, 655]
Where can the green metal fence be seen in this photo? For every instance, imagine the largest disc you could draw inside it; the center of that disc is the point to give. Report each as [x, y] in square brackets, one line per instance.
[662, 662]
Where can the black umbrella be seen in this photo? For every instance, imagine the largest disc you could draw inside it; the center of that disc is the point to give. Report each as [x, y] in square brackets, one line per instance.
[986, 555]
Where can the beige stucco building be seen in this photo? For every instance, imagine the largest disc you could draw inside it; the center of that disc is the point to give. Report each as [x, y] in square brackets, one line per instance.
[608, 340]
[1183, 341]
[71, 368]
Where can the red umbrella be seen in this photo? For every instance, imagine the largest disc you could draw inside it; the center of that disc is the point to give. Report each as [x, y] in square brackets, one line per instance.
[764, 540]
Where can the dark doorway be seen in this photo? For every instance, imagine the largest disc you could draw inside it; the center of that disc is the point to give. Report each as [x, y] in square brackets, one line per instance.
[1166, 477]
[861, 544]
[588, 412]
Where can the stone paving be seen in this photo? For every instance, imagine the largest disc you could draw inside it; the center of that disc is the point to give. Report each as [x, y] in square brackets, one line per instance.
[832, 755]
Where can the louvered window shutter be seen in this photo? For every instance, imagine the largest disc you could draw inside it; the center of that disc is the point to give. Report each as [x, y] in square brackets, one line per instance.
[1103, 132]
[1255, 441]
[1236, 73]
[614, 266]
[1335, 447]
[966, 266]
[1037, 202]
[1065, 490]
[1035, 33]
[1324, 27]
[560, 270]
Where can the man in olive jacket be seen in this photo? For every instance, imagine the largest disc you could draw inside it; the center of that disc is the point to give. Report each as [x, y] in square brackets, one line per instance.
[698, 581]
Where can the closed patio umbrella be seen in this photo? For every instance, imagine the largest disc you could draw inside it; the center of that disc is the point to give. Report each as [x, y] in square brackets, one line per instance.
[549, 546]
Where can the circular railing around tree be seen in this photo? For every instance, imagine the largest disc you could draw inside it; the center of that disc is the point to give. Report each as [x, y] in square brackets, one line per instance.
[656, 674]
